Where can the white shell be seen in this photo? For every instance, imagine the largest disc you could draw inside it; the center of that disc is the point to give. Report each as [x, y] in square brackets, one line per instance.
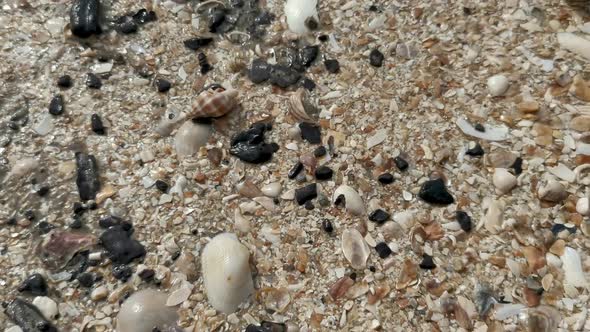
[497, 85]
[190, 137]
[553, 191]
[226, 272]
[272, 189]
[352, 200]
[575, 44]
[355, 248]
[583, 206]
[503, 180]
[144, 310]
[572, 266]
[297, 11]
[491, 133]
[47, 306]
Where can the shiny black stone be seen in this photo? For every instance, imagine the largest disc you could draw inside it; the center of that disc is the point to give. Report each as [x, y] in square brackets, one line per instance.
[162, 186]
[479, 127]
[259, 71]
[464, 221]
[34, 284]
[198, 42]
[250, 147]
[327, 226]
[122, 272]
[376, 58]
[216, 19]
[383, 250]
[120, 247]
[332, 65]
[126, 25]
[84, 18]
[386, 178]
[435, 192]
[64, 81]
[320, 151]
[45, 227]
[517, 166]
[308, 54]
[310, 133]
[308, 84]
[96, 124]
[56, 106]
[144, 16]
[379, 216]
[427, 262]
[86, 279]
[323, 173]
[307, 193]
[401, 163]
[163, 85]
[295, 170]
[477, 151]
[43, 191]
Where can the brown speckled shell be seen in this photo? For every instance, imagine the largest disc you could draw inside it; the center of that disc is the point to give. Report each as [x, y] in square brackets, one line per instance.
[214, 103]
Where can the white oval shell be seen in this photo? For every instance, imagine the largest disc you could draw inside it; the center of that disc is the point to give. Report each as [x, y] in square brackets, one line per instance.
[297, 11]
[497, 85]
[572, 266]
[144, 310]
[226, 272]
[503, 180]
[353, 201]
[355, 248]
[190, 137]
[583, 206]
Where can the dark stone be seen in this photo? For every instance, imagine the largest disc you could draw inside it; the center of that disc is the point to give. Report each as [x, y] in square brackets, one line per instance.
[205, 66]
[373, 8]
[43, 191]
[464, 221]
[28, 317]
[376, 58]
[87, 176]
[122, 272]
[517, 166]
[163, 85]
[386, 178]
[162, 186]
[310, 132]
[332, 65]
[320, 151]
[467, 11]
[477, 151]
[93, 81]
[308, 54]
[259, 71]
[401, 163]
[56, 106]
[383, 250]
[126, 25]
[86, 279]
[78, 264]
[76, 224]
[250, 147]
[217, 17]
[120, 247]
[34, 284]
[11, 221]
[323, 173]
[427, 262]
[308, 84]
[144, 16]
[327, 226]
[175, 255]
[147, 274]
[198, 42]
[379, 216]
[96, 124]
[306, 193]
[311, 23]
[64, 81]
[273, 327]
[84, 18]
[435, 192]
[309, 205]
[295, 170]
[558, 228]
[45, 227]
[323, 38]
[110, 221]
[479, 127]
[283, 76]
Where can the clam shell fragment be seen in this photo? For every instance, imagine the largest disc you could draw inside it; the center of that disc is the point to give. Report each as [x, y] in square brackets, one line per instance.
[355, 248]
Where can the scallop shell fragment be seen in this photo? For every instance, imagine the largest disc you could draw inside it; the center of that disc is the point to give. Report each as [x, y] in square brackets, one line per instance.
[214, 102]
[355, 248]
[301, 108]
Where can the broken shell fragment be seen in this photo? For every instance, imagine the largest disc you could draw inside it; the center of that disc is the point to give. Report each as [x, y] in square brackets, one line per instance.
[553, 192]
[503, 180]
[226, 272]
[301, 108]
[190, 137]
[572, 266]
[22, 167]
[355, 248]
[351, 200]
[146, 311]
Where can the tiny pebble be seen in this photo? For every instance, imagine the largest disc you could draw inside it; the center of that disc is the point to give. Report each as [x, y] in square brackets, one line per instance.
[56, 106]
[386, 178]
[476, 151]
[379, 216]
[34, 284]
[93, 81]
[320, 151]
[376, 58]
[64, 81]
[96, 124]
[308, 84]
[163, 85]
[427, 262]
[162, 186]
[295, 170]
[309, 205]
[383, 250]
[323, 173]
[310, 133]
[464, 221]
[401, 163]
[307, 193]
[332, 65]
[479, 127]
[86, 279]
[327, 226]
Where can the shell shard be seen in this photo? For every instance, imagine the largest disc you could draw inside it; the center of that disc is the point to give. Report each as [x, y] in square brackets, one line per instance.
[214, 103]
[355, 248]
[190, 137]
[572, 266]
[301, 108]
[226, 272]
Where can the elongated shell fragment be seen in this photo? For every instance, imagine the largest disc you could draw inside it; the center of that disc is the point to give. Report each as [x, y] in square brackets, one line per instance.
[226, 272]
[214, 102]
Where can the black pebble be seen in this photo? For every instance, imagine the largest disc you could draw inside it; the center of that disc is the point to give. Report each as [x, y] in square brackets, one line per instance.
[332, 65]
[383, 250]
[86, 279]
[45, 227]
[386, 178]
[477, 151]
[126, 25]
[401, 163]
[96, 124]
[320, 151]
[376, 58]
[109, 221]
[479, 127]
[122, 272]
[467, 11]
[259, 71]
[76, 224]
[64, 81]
[310, 133]
[308, 54]
[43, 191]
[162, 186]
[558, 228]
[309, 205]
[205, 66]
[464, 221]
[87, 176]
[34, 284]
[373, 8]
[283, 76]
[120, 247]
[146, 274]
[163, 85]
[427, 262]
[196, 43]
[216, 18]
[27, 316]
[327, 226]
[306, 193]
[175, 255]
[144, 16]
[517, 166]
[56, 106]
[249, 145]
[323, 173]
[84, 18]
[435, 192]
[11, 221]
[379, 216]
[323, 38]
[308, 84]
[295, 170]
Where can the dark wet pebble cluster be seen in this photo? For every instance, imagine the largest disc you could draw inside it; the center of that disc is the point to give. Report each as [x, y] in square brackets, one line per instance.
[87, 178]
[292, 62]
[242, 15]
[249, 145]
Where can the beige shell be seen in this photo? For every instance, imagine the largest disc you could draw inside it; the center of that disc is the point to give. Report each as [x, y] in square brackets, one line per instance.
[301, 108]
[214, 102]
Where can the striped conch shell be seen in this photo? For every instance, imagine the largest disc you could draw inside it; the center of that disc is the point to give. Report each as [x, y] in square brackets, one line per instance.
[214, 102]
[301, 108]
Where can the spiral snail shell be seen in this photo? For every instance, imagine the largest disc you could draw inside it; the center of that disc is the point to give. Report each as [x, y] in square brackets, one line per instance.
[214, 102]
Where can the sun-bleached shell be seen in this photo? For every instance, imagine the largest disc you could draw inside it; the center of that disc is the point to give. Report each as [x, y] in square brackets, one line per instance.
[352, 200]
[190, 137]
[300, 11]
[503, 180]
[144, 310]
[572, 266]
[226, 272]
[583, 206]
[355, 248]
[214, 103]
